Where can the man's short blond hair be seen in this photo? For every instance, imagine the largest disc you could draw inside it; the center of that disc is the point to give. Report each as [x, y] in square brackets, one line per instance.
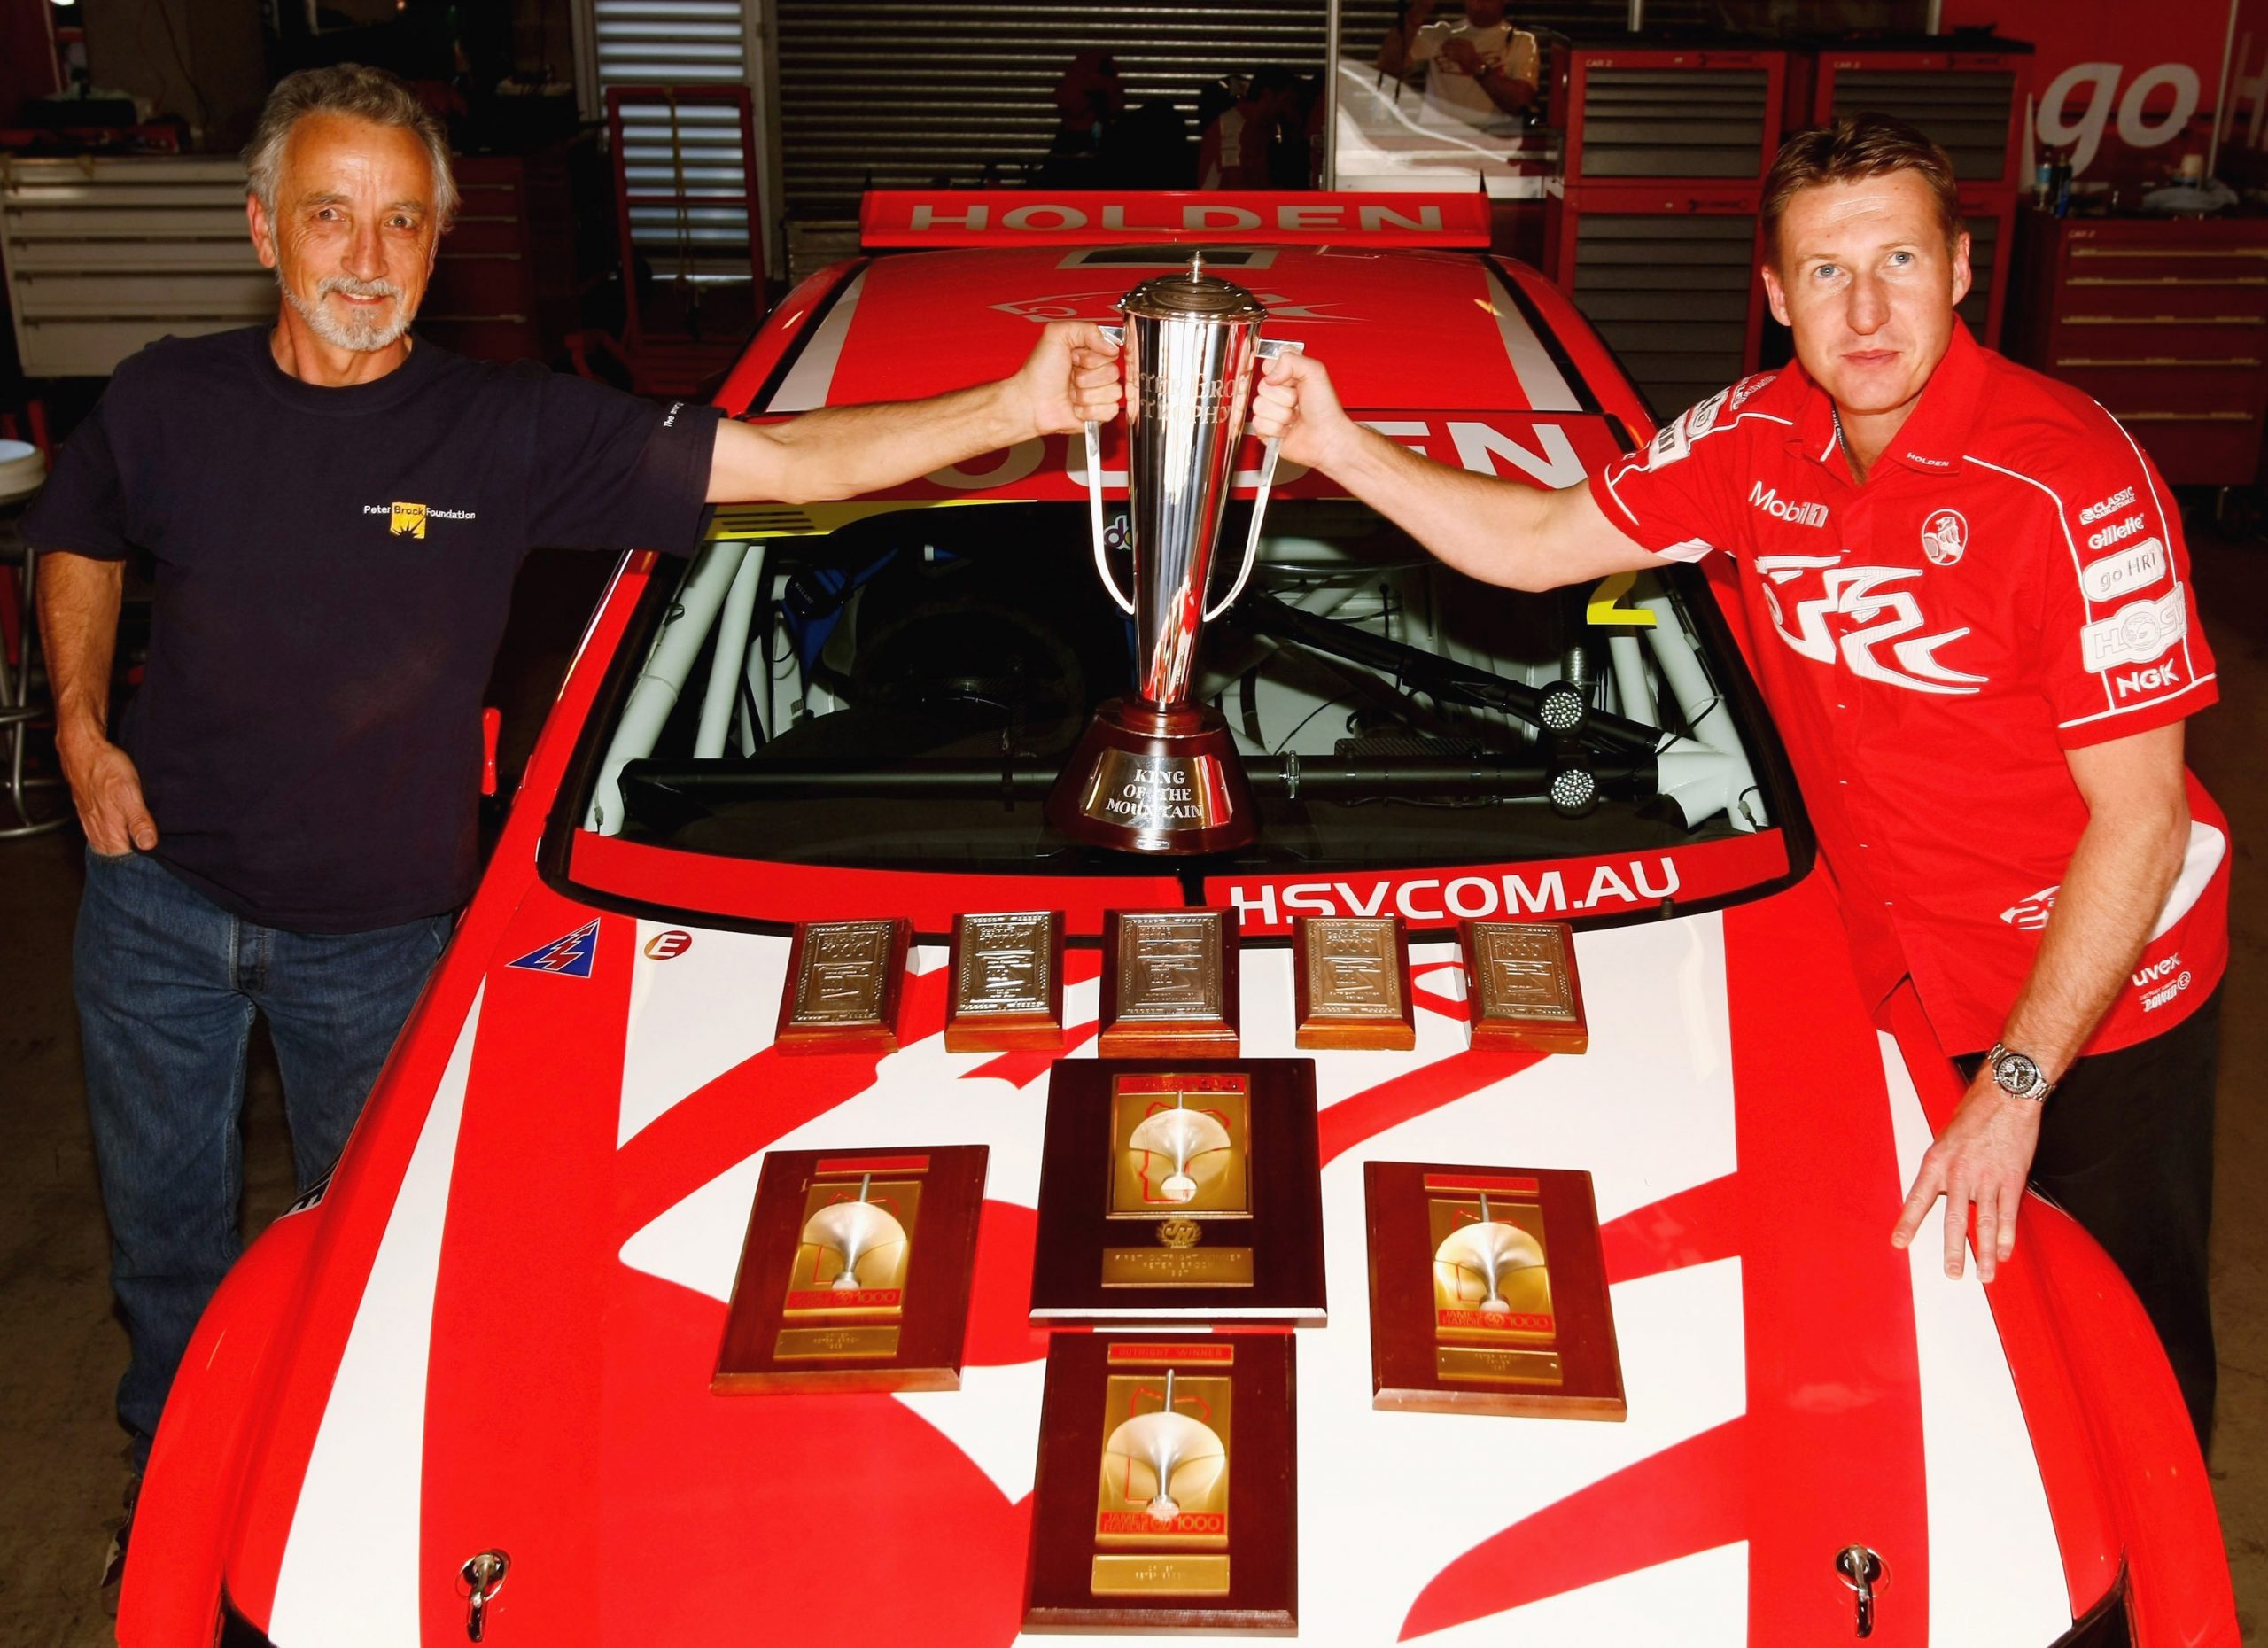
[359, 93]
[1854, 147]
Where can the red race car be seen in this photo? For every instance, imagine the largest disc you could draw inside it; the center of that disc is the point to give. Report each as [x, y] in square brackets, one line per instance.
[463, 1391]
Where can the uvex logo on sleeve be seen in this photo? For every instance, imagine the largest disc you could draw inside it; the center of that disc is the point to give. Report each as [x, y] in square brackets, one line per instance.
[410, 520]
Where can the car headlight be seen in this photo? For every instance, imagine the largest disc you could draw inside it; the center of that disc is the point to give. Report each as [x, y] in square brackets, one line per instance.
[2104, 1625]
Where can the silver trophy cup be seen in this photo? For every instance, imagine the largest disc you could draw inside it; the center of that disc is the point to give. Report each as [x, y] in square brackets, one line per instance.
[1158, 772]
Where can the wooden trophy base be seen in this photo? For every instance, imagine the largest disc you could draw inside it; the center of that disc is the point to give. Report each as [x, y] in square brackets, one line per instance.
[1545, 1348]
[1350, 983]
[1150, 780]
[1146, 1213]
[1525, 993]
[1172, 985]
[1229, 1562]
[793, 1329]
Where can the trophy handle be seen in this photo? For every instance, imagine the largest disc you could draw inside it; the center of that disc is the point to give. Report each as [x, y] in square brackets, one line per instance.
[1117, 335]
[1268, 349]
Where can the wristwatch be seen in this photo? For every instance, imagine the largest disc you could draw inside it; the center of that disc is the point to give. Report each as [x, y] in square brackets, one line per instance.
[2017, 1073]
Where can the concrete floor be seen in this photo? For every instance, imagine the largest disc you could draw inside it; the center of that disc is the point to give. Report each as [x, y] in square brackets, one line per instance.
[65, 1470]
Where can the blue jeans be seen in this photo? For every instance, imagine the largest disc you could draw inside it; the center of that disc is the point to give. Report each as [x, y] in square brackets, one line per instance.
[168, 984]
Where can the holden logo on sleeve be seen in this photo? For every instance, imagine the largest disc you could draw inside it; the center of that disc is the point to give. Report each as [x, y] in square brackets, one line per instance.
[1944, 536]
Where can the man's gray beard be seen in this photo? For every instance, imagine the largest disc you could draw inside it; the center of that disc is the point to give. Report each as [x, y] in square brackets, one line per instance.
[364, 335]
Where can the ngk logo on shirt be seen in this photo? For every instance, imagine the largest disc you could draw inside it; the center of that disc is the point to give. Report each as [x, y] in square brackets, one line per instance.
[1883, 634]
[2136, 634]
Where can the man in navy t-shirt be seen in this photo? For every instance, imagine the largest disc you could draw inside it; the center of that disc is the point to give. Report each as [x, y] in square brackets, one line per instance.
[336, 512]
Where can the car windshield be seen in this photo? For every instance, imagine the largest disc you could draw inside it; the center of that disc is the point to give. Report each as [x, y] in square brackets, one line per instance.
[902, 693]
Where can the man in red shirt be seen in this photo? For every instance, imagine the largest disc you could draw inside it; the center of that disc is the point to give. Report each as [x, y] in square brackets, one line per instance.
[1976, 633]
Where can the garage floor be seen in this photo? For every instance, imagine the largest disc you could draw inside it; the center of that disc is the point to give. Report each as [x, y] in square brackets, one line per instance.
[64, 1468]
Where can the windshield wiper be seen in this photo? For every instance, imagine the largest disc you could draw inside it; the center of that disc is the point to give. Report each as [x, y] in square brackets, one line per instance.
[1559, 710]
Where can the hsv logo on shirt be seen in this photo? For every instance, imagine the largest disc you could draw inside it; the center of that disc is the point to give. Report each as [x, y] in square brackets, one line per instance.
[1886, 638]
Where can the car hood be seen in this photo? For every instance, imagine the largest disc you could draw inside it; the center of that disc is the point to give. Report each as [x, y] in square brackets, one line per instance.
[529, 1363]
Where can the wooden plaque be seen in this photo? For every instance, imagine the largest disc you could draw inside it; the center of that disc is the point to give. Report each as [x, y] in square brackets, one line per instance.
[1183, 1190]
[845, 981]
[1169, 984]
[855, 1273]
[1488, 1292]
[1166, 1497]
[1350, 981]
[1521, 980]
[1004, 975]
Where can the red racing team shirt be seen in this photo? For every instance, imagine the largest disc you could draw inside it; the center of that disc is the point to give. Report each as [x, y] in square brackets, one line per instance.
[2010, 584]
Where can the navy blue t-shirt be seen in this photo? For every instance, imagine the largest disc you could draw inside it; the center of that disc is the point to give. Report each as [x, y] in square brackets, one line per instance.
[333, 568]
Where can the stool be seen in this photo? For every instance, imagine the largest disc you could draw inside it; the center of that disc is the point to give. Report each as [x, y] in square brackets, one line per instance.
[22, 472]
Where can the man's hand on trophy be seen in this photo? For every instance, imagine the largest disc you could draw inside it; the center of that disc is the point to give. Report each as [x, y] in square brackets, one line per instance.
[1295, 402]
[1072, 377]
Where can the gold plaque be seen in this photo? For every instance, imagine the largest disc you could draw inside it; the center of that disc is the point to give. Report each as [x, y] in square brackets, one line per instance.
[854, 1247]
[1470, 1364]
[1164, 1487]
[1525, 993]
[1175, 1576]
[843, 986]
[1493, 1320]
[821, 1344]
[1180, 1155]
[1169, 966]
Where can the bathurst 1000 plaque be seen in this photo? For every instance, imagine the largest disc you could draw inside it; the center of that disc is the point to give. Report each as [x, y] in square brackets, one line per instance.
[1169, 984]
[1488, 1292]
[1184, 1190]
[1165, 1496]
[855, 1273]
[1350, 982]
[1006, 974]
[1525, 992]
[844, 982]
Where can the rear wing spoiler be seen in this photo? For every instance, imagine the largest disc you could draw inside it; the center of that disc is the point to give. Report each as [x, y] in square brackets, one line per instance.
[896, 219]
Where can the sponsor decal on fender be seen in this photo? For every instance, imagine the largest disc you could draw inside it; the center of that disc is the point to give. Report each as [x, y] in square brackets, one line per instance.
[1796, 513]
[1945, 537]
[570, 955]
[665, 946]
[2115, 575]
[2137, 633]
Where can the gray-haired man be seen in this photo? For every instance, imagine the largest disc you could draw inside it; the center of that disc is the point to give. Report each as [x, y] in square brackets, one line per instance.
[336, 514]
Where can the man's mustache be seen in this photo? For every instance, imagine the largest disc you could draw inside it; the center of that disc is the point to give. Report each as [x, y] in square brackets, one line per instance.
[354, 288]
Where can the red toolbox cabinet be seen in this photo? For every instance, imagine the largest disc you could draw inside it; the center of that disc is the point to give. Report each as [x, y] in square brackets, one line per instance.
[2164, 320]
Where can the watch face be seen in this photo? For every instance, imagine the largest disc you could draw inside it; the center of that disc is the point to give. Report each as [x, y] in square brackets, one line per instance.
[2016, 1073]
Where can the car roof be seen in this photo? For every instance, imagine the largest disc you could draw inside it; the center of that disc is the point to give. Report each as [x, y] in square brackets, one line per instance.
[1411, 329]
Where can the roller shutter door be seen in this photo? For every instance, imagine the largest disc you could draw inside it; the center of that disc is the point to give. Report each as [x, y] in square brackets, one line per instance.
[679, 43]
[1670, 295]
[897, 94]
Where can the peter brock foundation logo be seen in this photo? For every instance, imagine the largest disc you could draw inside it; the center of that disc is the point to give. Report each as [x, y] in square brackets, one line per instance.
[410, 520]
